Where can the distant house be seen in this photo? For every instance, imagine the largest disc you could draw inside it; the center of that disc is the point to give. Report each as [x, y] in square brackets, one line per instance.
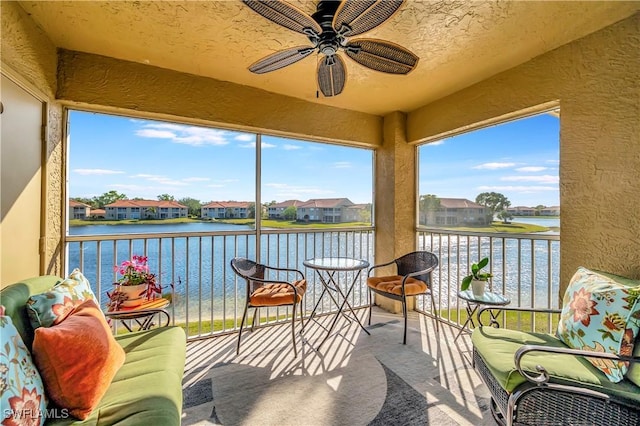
[550, 211]
[324, 210]
[457, 212]
[357, 213]
[225, 210]
[145, 209]
[78, 210]
[97, 214]
[522, 211]
[276, 211]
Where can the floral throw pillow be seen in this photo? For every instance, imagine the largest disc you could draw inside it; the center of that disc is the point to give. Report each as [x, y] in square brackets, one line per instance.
[51, 307]
[22, 396]
[601, 312]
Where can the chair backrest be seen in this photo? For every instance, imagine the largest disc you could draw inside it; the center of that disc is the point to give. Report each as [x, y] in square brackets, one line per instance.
[248, 269]
[417, 261]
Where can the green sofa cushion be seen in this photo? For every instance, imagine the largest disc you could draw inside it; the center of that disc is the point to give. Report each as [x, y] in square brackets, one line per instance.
[497, 347]
[148, 387]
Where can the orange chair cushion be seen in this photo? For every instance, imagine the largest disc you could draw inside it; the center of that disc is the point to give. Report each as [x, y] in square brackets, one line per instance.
[393, 284]
[277, 294]
[78, 359]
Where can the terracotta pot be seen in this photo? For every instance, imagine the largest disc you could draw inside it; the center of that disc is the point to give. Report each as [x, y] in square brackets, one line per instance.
[135, 294]
[477, 287]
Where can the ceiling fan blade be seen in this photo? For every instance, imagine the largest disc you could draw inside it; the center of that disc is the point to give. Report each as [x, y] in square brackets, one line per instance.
[331, 75]
[363, 15]
[284, 14]
[280, 59]
[382, 56]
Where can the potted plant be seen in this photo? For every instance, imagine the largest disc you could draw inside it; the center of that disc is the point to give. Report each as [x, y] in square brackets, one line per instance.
[477, 279]
[135, 283]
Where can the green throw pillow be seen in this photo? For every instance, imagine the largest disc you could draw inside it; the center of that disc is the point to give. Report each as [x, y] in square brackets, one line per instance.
[51, 307]
[601, 313]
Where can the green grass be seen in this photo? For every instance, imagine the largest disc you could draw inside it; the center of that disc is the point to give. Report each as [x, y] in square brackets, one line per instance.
[266, 223]
[288, 224]
[80, 222]
[513, 227]
[206, 326]
[514, 320]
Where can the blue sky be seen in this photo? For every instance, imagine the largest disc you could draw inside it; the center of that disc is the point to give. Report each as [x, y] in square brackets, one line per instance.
[518, 159]
[142, 158]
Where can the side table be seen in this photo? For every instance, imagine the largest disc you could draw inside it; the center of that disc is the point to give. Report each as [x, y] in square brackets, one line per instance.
[474, 302]
[327, 268]
[143, 314]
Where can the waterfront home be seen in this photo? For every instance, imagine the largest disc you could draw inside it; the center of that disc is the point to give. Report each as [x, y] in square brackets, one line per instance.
[276, 210]
[550, 211]
[226, 210]
[325, 210]
[456, 212]
[78, 210]
[145, 209]
[522, 211]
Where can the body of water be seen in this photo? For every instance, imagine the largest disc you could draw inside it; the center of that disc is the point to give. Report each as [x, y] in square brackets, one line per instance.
[204, 286]
[549, 222]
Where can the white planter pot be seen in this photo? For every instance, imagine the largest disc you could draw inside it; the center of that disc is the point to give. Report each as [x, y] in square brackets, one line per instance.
[477, 287]
[134, 293]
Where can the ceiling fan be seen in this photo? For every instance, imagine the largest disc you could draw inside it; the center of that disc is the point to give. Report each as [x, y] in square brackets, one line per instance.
[328, 30]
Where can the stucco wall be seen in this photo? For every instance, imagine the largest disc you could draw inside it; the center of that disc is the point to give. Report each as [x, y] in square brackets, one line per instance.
[98, 80]
[30, 56]
[596, 80]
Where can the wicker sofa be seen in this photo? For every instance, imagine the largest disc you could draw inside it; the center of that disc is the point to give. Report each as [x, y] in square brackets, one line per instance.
[146, 390]
[536, 379]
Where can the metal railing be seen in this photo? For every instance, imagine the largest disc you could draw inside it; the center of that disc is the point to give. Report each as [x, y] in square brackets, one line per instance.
[525, 268]
[207, 297]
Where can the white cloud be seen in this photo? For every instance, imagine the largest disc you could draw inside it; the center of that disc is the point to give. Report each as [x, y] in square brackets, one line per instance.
[522, 188]
[164, 180]
[153, 133]
[552, 161]
[195, 179]
[245, 137]
[531, 169]
[186, 135]
[289, 147]
[216, 185]
[284, 191]
[342, 165]
[532, 178]
[253, 145]
[97, 172]
[494, 166]
[434, 143]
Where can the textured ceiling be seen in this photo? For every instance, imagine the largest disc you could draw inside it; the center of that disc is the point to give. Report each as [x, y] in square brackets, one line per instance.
[459, 43]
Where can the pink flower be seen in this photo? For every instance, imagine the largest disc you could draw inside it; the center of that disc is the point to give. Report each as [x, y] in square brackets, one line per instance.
[583, 307]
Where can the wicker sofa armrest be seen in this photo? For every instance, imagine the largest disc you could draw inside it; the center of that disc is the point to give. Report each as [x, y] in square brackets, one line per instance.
[543, 377]
[513, 309]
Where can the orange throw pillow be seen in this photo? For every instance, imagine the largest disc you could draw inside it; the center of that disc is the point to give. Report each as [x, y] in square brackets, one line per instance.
[78, 359]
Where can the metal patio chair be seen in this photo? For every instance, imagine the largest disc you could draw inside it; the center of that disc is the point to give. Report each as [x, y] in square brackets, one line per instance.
[413, 277]
[263, 291]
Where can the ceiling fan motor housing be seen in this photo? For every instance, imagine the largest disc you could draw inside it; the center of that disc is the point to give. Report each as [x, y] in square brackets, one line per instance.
[329, 41]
